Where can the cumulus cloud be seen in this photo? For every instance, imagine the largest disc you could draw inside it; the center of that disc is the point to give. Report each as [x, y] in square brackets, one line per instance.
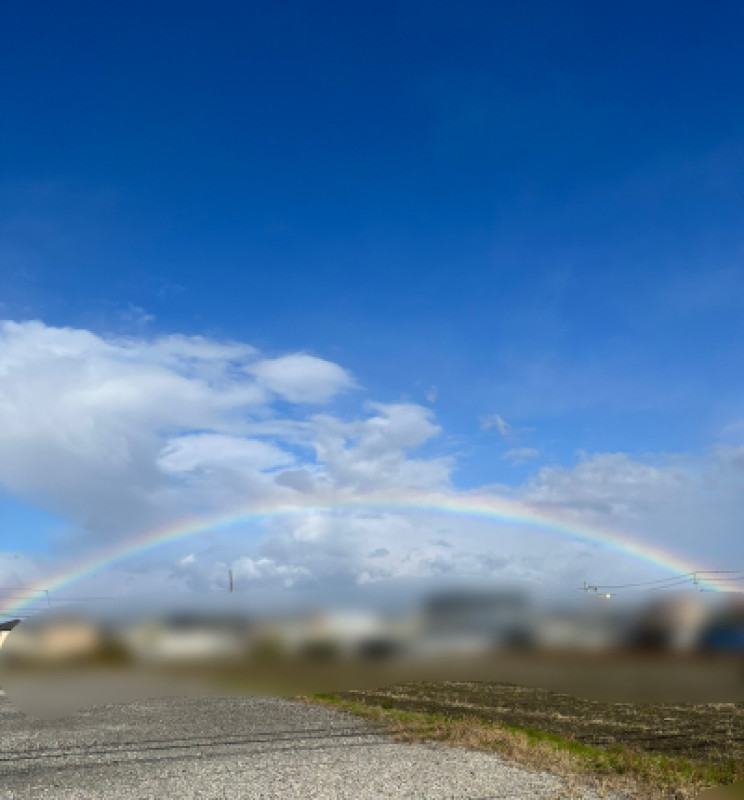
[364, 547]
[266, 570]
[691, 505]
[218, 451]
[117, 435]
[608, 483]
[84, 419]
[372, 453]
[301, 378]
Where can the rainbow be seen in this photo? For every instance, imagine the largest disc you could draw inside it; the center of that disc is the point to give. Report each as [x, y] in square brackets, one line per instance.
[484, 506]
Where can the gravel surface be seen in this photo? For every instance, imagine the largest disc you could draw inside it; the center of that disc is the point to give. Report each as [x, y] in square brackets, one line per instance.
[220, 748]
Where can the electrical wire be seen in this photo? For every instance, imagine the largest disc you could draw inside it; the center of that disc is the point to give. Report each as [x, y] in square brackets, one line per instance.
[674, 580]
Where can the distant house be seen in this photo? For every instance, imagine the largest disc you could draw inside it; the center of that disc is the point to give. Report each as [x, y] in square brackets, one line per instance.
[186, 636]
[54, 640]
[6, 628]
[725, 631]
[496, 617]
[675, 624]
[327, 634]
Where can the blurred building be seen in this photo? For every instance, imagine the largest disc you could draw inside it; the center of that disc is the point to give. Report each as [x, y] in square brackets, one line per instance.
[54, 640]
[475, 619]
[569, 630]
[675, 624]
[185, 637]
[724, 632]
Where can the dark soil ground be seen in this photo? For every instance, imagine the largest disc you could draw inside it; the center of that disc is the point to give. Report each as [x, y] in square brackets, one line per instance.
[712, 732]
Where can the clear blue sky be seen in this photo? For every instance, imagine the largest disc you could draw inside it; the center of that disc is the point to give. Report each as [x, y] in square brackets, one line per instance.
[536, 207]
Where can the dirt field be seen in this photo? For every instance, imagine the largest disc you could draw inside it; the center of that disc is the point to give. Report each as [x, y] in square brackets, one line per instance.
[706, 732]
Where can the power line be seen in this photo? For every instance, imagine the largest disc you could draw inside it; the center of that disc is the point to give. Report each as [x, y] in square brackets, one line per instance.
[646, 585]
[673, 586]
[42, 592]
[694, 577]
[675, 579]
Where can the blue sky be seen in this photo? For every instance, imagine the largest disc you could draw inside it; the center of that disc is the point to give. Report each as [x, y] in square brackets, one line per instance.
[534, 207]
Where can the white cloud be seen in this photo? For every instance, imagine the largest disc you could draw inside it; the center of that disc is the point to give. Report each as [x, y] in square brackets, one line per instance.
[301, 378]
[496, 421]
[215, 451]
[83, 419]
[120, 435]
[92, 428]
[266, 570]
[609, 483]
[372, 453]
[431, 394]
[363, 547]
[518, 455]
[691, 505]
[116, 435]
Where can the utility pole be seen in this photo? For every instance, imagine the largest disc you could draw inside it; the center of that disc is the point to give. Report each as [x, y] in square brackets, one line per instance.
[595, 589]
[231, 579]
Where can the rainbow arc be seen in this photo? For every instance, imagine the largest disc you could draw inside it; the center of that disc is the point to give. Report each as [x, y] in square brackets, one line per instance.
[485, 506]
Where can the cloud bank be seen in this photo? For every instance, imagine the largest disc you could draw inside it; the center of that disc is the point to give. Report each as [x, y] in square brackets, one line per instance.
[118, 435]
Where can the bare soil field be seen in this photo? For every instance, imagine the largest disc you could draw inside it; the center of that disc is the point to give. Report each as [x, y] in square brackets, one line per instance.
[712, 732]
[640, 750]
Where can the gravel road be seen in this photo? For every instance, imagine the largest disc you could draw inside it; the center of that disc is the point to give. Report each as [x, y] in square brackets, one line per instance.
[225, 748]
